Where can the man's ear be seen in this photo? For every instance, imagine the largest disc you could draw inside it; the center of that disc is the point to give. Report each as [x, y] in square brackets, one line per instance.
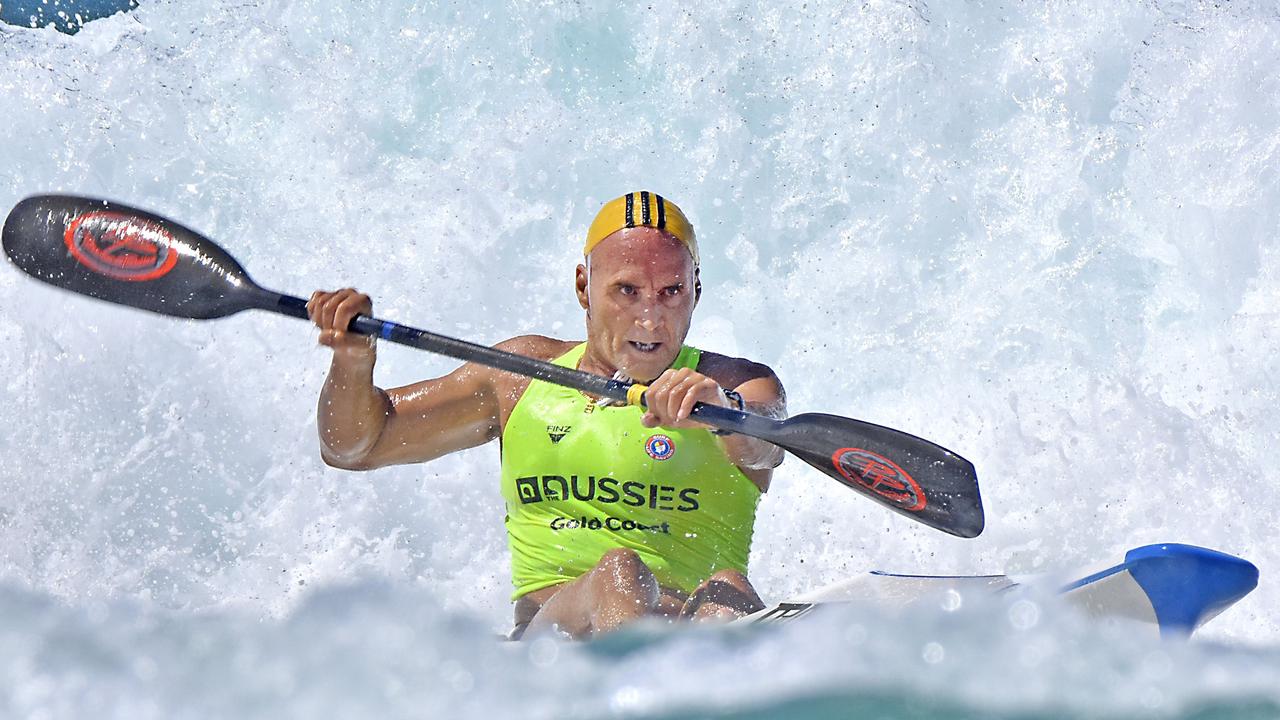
[580, 284]
[697, 287]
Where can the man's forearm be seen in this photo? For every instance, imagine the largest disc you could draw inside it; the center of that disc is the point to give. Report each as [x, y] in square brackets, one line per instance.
[352, 411]
[753, 453]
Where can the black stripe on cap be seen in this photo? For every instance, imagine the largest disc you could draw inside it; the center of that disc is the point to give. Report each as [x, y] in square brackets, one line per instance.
[662, 212]
[646, 218]
[631, 209]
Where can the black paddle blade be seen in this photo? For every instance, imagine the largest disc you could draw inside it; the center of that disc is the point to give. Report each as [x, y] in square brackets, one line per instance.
[124, 255]
[907, 474]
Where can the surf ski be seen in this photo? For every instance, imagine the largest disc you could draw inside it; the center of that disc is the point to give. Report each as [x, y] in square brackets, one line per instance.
[1170, 588]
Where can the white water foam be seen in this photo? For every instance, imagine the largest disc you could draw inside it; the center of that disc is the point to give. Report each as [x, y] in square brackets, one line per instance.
[1043, 237]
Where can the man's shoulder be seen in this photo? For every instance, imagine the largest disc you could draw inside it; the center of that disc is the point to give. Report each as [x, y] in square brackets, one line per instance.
[538, 346]
[731, 371]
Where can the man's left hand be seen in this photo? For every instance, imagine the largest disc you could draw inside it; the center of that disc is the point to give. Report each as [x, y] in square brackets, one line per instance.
[671, 398]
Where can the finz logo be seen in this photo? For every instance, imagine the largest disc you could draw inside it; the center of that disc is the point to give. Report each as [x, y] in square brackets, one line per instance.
[881, 476]
[660, 447]
[557, 432]
[121, 246]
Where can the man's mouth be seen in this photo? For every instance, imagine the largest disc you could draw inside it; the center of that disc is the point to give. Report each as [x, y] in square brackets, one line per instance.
[645, 347]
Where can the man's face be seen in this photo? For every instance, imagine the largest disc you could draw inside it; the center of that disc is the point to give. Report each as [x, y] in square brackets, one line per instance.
[639, 297]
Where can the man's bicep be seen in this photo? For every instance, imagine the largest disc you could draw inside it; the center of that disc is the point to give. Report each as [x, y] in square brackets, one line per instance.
[763, 393]
[436, 417]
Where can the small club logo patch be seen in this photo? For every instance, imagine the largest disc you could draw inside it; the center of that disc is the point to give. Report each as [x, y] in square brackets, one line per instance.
[121, 246]
[557, 432]
[660, 447]
[881, 476]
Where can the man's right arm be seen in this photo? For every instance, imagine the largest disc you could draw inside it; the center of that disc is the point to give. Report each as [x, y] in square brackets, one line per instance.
[363, 427]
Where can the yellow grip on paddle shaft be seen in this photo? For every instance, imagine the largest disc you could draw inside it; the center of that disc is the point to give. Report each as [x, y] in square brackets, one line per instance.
[635, 394]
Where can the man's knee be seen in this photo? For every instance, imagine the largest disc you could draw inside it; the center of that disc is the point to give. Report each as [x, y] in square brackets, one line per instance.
[624, 570]
[732, 577]
[623, 562]
[726, 594]
[622, 588]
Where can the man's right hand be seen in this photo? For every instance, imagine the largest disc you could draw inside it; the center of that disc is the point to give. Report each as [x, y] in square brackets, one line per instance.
[332, 313]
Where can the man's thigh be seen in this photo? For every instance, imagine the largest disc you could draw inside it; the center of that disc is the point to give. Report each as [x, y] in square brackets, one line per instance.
[568, 609]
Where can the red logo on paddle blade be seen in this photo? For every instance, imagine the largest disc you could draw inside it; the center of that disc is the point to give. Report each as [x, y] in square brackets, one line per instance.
[121, 246]
[881, 476]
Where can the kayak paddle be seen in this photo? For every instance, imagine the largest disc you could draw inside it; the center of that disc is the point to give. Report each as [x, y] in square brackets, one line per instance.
[131, 257]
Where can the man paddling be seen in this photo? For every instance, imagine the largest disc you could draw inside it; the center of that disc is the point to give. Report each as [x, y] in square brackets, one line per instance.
[613, 512]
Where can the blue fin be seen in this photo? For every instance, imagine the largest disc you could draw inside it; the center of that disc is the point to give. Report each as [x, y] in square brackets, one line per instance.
[1188, 585]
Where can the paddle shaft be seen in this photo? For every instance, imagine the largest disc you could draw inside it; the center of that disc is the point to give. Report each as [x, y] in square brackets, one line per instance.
[713, 415]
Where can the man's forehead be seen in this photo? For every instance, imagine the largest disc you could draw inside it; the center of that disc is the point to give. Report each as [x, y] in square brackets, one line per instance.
[642, 273]
[642, 248]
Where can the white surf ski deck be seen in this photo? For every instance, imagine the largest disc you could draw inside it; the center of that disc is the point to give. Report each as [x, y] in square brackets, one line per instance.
[1169, 587]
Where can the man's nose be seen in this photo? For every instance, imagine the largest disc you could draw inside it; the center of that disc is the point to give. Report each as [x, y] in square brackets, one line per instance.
[650, 316]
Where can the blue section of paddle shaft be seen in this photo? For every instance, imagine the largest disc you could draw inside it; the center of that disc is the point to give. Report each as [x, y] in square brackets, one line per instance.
[1188, 584]
[67, 16]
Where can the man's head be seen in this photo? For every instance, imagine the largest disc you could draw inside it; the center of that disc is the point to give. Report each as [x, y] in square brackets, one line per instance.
[639, 283]
[641, 209]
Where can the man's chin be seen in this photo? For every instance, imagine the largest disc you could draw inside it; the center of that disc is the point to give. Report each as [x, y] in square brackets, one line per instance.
[646, 369]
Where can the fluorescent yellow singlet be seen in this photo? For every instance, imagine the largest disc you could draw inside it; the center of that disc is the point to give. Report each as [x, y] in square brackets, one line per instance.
[580, 480]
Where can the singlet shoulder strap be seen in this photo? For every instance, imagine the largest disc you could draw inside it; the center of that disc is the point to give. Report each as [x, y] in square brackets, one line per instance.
[571, 358]
[688, 358]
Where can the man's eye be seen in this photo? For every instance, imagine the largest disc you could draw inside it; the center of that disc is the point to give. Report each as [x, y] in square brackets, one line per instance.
[674, 290]
[627, 289]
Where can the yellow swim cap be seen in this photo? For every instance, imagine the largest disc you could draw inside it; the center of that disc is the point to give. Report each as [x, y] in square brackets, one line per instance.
[641, 208]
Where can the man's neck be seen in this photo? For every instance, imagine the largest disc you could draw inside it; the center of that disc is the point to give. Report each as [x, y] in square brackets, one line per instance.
[591, 363]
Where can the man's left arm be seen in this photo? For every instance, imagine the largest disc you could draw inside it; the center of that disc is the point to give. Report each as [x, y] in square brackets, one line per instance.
[673, 394]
